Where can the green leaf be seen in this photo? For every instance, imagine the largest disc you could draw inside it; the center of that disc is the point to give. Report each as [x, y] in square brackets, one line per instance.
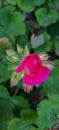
[0, 2]
[39, 2]
[23, 41]
[5, 108]
[46, 18]
[47, 37]
[56, 63]
[51, 84]
[53, 31]
[16, 28]
[13, 2]
[29, 115]
[46, 112]
[3, 92]
[18, 124]
[57, 45]
[11, 23]
[26, 5]
[34, 128]
[29, 26]
[4, 73]
[2, 32]
[44, 48]
[53, 4]
[21, 102]
[5, 15]
[17, 16]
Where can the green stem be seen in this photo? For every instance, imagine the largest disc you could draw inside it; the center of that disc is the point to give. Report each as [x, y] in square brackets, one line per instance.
[16, 91]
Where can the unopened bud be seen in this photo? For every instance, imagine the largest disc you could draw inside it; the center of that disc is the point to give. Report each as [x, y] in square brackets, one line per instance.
[5, 43]
[26, 50]
[12, 59]
[19, 49]
[44, 56]
[11, 52]
[49, 64]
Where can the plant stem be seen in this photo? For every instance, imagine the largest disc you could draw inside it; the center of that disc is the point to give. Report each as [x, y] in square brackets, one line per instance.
[16, 92]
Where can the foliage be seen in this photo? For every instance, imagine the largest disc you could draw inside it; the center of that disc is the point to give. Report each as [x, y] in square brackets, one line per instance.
[5, 108]
[28, 26]
[46, 18]
[47, 112]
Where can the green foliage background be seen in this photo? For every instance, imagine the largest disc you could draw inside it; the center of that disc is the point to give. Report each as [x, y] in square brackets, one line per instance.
[18, 110]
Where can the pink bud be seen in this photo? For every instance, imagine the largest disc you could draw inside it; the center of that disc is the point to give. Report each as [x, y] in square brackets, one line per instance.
[44, 56]
[13, 81]
[49, 64]
[9, 53]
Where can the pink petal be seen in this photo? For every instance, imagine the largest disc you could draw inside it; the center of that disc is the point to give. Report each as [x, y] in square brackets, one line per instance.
[29, 80]
[26, 89]
[20, 67]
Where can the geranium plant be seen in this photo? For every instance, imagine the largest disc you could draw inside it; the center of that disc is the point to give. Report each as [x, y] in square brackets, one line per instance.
[29, 64]
[34, 69]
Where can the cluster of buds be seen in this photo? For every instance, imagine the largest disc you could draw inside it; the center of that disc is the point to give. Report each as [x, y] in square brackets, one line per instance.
[44, 57]
[14, 58]
[18, 62]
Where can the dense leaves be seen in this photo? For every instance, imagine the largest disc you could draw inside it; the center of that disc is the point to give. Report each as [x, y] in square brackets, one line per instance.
[4, 73]
[26, 5]
[21, 102]
[28, 26]
[20, 124]
[5, 108]
[47, 111]
[13, 2]
[45, 17]
[39, 2]
[57, 45]
[50, 85]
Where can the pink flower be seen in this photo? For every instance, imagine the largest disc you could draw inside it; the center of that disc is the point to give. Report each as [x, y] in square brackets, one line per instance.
[35, 72]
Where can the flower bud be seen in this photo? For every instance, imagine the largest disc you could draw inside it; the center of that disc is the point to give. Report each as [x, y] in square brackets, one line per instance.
[44, 56]
[11, 52]
[49, 64]
[19, 49]
[5, 43]
[12, 59]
